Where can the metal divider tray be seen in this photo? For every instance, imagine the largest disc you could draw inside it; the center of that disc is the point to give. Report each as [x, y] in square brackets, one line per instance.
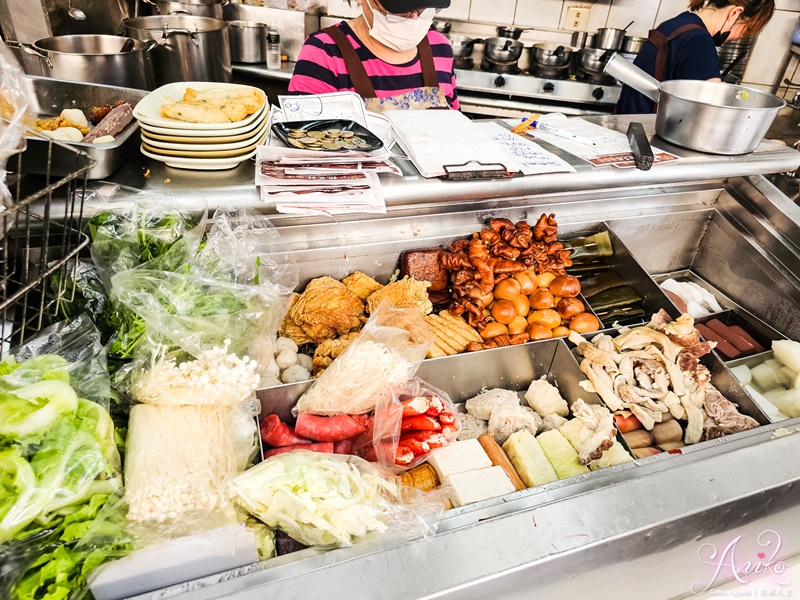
[53, 96]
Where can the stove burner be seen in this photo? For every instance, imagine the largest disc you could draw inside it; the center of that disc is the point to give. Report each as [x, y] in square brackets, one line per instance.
[466, 63]
[595, 78]
[549, 72]
[509, 68]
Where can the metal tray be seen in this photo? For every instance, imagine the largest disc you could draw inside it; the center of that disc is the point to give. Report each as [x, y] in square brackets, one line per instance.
[53, 96]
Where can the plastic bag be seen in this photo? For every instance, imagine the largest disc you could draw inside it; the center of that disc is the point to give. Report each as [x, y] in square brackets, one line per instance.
[330, 500]
[132, 228]
[409, 426]
[389, 350]
[17, 100]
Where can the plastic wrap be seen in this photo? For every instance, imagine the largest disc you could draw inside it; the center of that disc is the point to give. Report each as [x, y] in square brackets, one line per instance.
[409, 426]
[388, 350]
[16, 100]
[331, 500]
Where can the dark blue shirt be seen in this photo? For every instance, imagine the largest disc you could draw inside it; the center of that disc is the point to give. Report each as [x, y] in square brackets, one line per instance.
[691, 55]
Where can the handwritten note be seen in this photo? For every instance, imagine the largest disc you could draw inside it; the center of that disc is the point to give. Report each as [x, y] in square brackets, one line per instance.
[531, 158]
[339, 105]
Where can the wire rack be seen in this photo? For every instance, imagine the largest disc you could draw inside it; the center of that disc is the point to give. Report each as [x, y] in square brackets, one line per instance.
[41, 240]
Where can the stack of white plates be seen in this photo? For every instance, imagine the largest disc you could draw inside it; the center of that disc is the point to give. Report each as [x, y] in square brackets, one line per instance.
[198, 146]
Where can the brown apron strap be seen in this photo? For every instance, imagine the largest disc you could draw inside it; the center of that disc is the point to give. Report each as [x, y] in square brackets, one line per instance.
[429, 78]
[661, 42]
[355, 68]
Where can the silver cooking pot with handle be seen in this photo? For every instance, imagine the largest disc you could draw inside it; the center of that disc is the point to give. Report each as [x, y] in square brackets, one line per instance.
[199, 8]
[106, 59]
[502, 50]
[463, 45]
[708, 116]
[189, 48]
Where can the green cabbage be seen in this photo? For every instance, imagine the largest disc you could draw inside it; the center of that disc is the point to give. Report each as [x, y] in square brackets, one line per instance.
[33, 409]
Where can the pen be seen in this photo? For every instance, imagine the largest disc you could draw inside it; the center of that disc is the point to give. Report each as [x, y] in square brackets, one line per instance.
[547, 128]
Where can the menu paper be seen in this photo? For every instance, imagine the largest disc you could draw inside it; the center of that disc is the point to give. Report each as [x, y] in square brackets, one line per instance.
[433, 139]
[531, 157]
[595, 144]
[339, 105]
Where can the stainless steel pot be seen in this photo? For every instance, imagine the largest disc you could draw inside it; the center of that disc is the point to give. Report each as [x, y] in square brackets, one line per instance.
[511, 32]
[632, 44]
[708, 116]
[95, 59]
[248, 41]
[592, 60]
[502, 50]
[582, 39]
[550, 54]
[442, 26]
[463, 45]
[199, 8]
[609, 38]
[189, 48]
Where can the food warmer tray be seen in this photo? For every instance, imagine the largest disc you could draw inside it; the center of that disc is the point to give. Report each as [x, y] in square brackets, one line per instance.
[53, 96]
[632, 531]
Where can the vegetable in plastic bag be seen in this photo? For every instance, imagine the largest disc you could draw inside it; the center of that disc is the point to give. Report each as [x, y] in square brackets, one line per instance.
[388, 350]
[324, 499]
[17, 102]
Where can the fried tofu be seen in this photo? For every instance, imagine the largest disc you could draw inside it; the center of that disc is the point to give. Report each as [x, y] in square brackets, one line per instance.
[329, 350]
[214, 106]
[361, 285]
[405, 293]
[326, 309]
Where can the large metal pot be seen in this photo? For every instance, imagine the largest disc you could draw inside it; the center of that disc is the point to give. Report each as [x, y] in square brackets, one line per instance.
[550, 54]
[463, 45]
[592, 60]
[511, 32]
[632, 44]
[708, 116]
[502, 50]
[582, 39]
[609, 38]
[248, 41]
[95, 59]
[189, 48]
[199, 8]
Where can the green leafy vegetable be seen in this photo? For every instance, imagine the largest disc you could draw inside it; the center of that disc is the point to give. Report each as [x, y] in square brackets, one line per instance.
[33, 409]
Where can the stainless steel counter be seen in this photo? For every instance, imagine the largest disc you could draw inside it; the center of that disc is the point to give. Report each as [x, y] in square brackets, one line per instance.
[645, 529]
[412, 194]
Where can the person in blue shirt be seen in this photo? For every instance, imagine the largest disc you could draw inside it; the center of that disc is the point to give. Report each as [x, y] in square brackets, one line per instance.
[685, 47]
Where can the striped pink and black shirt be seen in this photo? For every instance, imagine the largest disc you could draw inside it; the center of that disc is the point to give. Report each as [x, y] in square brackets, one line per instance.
[321, 69]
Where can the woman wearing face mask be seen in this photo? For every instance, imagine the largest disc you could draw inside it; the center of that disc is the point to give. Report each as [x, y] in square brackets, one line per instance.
[685, 47]
[388, 55]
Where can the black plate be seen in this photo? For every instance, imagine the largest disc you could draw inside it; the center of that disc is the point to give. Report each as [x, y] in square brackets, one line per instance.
[374, 143]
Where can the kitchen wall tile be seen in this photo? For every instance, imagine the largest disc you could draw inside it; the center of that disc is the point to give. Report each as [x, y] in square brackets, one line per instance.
[540, 13]
[493, 11]
[341, 8]
[787, 5]
[643, 14]
[670, 8]
[459, 9]
[770, 49]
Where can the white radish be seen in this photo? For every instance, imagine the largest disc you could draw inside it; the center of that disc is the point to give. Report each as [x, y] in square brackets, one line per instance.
[788, 352]
[765, 405]
[764, 377]
[743, 374]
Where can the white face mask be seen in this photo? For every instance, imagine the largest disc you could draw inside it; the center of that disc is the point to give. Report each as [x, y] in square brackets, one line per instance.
[401, 36]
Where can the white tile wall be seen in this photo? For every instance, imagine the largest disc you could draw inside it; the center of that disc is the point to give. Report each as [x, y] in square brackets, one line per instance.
[493, 11]
[477, 17]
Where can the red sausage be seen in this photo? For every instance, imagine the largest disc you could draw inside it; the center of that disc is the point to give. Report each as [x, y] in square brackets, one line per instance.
[626, 422]
[757, 348]
[323, 447]
[343, 447]
[731, 336]
[415, 406]
[419, 423]
[723, 347]
[329, 429]
[276, 433]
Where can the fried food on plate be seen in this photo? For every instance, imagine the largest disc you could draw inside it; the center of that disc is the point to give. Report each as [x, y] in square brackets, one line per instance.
[214, 106]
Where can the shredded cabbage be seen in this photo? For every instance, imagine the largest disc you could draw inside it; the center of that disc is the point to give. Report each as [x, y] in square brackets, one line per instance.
[318, 499]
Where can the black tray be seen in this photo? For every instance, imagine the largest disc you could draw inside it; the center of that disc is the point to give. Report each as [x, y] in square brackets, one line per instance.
[374, 143]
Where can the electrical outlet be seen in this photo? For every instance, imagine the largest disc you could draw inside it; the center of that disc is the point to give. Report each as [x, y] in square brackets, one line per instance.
[577, 18]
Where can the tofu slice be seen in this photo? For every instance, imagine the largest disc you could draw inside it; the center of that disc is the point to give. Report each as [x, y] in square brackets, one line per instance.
[528, 459]
[458, 457]
[561, 454]
[469, 487]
